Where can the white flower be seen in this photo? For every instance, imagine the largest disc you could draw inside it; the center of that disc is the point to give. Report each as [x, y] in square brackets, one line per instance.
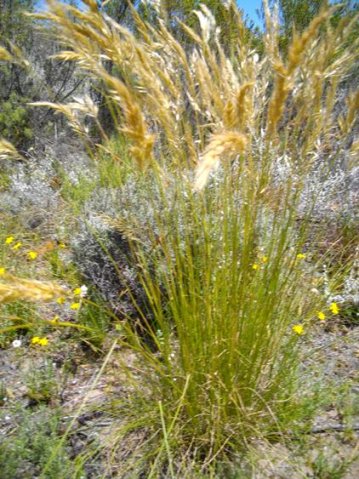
[16, 343]
[84, 290]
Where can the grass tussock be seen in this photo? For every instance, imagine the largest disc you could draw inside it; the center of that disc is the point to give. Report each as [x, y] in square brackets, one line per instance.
[222, 149]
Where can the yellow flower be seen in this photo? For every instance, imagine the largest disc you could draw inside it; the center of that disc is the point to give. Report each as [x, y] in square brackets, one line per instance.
[321, 315]
[255, 266]
[75, 306]
[54, 320]
[60, 300]
[39, 341]
[301, 256]
[61, 245]
[2, 271]
[32, 255]
[9, 240]
[81, 291]
[334, 308]
[264, 259]
[298, 329]
[17, 246]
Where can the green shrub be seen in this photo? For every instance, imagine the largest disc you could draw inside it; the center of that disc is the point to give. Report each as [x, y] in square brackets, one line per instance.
[15, 121]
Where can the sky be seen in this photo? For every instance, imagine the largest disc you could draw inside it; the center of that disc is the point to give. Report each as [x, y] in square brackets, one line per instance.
[248, 6]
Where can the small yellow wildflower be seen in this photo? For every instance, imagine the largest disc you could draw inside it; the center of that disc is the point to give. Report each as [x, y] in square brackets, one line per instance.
[301, 256]
[298, 329]
[32, 255]
[60, 300]
[2, 271]
[264, 259]
[17, 246]
[61, 245]
[54, 320]
[81, 291]
[9, 240]
[321, 315]
[75, 306]
[255, 266]
[334, 308]
[39, 341]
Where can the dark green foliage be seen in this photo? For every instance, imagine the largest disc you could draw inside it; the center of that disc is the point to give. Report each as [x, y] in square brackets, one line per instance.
[15, 30]
[14, 120]
[12, 20]
[297, 15]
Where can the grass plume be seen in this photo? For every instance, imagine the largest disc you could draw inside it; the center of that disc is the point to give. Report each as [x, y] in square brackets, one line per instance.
[228, 144]
[7, 150]
[13, 288]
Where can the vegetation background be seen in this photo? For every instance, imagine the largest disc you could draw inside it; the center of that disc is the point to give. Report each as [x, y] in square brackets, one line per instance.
[178, 240]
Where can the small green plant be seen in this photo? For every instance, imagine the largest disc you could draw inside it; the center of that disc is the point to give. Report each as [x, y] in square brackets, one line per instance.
[29, 445]
[61, 270]
[78, 192]
[42, 384]
[326, 466]
[114, 164]
[347, 404]
[17, 319]
[96, 319]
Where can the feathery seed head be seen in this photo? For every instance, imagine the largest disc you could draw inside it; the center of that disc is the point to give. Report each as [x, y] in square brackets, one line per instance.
[223, 144]
[13, 288]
